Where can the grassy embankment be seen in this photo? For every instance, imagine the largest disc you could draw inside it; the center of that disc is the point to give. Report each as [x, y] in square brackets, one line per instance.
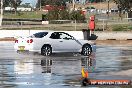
[22, 15]
[37, 25]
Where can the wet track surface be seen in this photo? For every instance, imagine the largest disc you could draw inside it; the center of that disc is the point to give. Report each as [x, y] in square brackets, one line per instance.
[31, 70]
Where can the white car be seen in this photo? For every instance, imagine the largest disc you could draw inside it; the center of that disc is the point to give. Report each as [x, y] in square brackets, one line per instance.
[54, 42]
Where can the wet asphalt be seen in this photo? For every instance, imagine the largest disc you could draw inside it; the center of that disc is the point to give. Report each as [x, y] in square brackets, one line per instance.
[32, 70]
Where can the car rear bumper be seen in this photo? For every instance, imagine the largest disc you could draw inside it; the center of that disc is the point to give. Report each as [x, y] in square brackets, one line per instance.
[23, 48]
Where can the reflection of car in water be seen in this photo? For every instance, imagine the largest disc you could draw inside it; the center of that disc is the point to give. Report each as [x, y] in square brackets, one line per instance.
[67, 66]
[54, 42]
[89, 63]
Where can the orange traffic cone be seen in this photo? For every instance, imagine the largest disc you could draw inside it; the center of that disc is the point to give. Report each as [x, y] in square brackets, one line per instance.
[84, 74]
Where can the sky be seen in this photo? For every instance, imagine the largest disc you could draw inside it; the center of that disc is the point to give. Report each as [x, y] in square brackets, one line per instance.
[33, 2]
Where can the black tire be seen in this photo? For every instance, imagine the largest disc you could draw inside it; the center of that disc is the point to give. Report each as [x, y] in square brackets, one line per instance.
[86, 50]
[46, 50]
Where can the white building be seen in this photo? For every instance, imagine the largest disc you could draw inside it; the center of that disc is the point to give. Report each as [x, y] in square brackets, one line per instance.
[18, 9]
[9, 8]
[24, 9]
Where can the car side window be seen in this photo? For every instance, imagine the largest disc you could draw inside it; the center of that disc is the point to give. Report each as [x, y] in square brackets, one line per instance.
[40, 34]
[55, 35]
[65, 36]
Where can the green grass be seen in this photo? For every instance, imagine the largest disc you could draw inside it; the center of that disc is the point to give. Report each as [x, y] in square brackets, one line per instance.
[30, 15]
[125, 27]
[130, 27]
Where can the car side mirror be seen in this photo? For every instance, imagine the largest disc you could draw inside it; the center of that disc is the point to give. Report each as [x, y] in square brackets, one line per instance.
[66, 38]
[73, 38]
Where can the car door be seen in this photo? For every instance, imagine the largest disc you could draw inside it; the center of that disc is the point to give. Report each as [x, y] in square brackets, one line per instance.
[56, 42]
[68, 43]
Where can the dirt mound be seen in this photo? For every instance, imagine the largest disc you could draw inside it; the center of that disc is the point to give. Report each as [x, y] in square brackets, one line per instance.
[7, 39]
[103, 5]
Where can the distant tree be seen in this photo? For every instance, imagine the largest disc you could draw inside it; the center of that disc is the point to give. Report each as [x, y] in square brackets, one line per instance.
[38, 3]
[65, 15]
[52, 2]
[12, 3]
[6, 3]
[26, 5]
[77, 15]
[15, 4]
[124, 5]
[57, 14]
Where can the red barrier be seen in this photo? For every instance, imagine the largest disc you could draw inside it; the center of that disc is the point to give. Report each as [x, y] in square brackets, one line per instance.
[92, 23]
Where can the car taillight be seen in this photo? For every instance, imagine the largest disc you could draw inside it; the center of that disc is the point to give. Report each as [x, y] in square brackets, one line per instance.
[30, 41]
[16, 41]
[27, 41]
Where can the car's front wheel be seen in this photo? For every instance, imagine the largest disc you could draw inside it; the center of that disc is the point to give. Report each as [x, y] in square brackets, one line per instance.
[46, 50]
[86, 50]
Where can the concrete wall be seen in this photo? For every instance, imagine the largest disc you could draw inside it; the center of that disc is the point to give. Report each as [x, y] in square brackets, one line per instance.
[77, 34]
[16, 33]
[122, 35]
[24, 33]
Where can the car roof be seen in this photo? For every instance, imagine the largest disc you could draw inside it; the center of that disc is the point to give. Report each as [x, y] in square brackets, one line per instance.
[50, 32]
[53, 31]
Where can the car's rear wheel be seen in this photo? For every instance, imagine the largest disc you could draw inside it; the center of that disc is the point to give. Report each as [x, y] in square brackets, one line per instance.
[86, 50]
[46, 50]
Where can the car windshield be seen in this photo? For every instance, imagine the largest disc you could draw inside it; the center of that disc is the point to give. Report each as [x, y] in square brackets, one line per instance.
[39, 35]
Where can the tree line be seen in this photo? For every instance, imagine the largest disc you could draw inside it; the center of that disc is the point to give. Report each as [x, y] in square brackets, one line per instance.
[12, 3]
[122, 4]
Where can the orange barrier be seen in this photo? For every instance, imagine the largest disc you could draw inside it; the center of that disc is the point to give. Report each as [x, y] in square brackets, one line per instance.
[84, 74]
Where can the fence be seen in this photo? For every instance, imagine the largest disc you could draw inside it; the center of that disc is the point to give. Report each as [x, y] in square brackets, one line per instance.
[101, 24]
[109, 24]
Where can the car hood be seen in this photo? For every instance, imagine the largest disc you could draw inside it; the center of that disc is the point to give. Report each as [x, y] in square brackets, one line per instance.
[86, 41]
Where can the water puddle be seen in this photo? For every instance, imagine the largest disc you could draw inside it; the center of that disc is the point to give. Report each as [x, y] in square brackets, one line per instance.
[19, 70]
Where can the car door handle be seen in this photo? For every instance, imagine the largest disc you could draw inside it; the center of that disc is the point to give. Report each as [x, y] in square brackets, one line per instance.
[61, 41]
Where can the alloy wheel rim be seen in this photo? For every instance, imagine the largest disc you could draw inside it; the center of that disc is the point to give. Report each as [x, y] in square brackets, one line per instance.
[87, 51]
[46, 51]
